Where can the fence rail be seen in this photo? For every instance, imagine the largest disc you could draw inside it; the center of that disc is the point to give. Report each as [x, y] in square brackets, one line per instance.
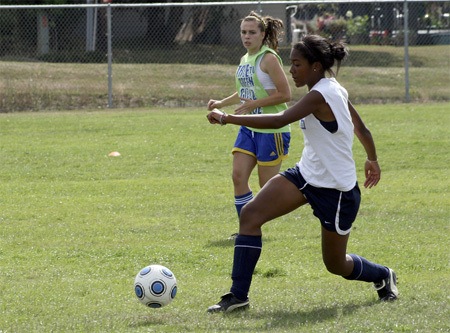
[197, 33]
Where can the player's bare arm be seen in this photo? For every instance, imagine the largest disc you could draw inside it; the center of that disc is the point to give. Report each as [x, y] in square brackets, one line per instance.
[307, 105]
[372, 169]
[227, 101]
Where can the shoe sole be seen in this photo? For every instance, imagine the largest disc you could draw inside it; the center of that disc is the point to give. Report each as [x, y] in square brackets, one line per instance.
[393, 282]
[240, 306]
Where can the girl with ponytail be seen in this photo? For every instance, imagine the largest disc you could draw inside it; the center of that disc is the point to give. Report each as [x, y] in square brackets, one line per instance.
[261, 88]
[324, 177]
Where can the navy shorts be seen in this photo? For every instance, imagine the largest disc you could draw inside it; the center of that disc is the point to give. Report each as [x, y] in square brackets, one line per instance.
[269, 149]
[335, 209]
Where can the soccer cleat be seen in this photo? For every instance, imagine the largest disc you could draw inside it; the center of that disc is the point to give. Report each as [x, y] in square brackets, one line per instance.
[229, 303]
[387, 288]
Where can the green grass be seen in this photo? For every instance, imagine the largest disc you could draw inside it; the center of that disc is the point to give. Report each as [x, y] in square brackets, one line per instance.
[372, 74]
[77, 225]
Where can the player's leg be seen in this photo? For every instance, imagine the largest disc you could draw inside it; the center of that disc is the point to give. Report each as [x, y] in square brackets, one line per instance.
[355, 267]
[334, 253]
[265, 173]
[337, 210]
[244, 161]
[278, 197]
[243, 165]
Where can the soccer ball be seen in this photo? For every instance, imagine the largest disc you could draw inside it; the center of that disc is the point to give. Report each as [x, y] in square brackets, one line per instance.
[155, 286]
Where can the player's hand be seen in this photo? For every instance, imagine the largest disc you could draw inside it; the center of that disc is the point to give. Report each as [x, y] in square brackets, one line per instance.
[245, 107]
[216, 117]
[213, 104]
[373, 173]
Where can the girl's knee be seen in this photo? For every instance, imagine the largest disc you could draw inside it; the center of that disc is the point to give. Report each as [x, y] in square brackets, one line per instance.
[249, 220]
[238, 177]
[248, 212]
[244, 217]
[333, 269]
[337, 267]
[333, 265]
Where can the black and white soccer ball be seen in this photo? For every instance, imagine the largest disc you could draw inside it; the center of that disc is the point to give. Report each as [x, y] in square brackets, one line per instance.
[155, 286]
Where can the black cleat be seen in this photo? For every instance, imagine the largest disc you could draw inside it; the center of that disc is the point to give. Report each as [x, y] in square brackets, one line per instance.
[387, 288]
[229, 303]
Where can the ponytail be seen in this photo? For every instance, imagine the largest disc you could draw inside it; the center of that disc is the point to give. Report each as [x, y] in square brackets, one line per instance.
[339, 52]
[316, 48]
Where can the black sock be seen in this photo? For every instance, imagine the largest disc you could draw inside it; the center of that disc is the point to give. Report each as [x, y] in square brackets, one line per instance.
[247, 250]
[365, 270]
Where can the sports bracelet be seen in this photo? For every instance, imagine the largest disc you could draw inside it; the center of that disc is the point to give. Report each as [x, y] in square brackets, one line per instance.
[376, 161]
[221, 119]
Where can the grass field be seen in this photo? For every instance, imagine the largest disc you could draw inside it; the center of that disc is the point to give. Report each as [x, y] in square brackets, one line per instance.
[77, 225]
[372, 74]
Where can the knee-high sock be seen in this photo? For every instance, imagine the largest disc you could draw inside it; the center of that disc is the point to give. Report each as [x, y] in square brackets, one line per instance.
[241, 200]
[365, 270]
[247, 250]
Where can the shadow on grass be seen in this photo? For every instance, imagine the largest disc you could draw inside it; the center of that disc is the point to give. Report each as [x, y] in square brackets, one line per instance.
[273, 321]
[290, 319]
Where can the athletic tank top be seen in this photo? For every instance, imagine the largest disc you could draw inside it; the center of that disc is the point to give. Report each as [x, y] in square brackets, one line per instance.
[327, 158]
[249, 86]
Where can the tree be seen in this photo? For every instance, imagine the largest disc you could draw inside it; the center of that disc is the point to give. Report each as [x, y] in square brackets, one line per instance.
[165, 25]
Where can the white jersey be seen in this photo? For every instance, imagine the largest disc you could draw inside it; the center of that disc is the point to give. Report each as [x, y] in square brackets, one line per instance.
[327, 158]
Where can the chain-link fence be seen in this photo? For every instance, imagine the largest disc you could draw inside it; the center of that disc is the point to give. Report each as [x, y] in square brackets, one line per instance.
[62, 57]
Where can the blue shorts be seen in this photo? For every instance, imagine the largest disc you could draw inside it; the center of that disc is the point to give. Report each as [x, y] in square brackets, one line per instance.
[269, 149]
[335, 209]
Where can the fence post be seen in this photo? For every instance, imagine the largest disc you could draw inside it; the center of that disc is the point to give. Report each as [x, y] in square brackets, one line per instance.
[91, 27]
[43, 35]
[406, 43]
[109, 34]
